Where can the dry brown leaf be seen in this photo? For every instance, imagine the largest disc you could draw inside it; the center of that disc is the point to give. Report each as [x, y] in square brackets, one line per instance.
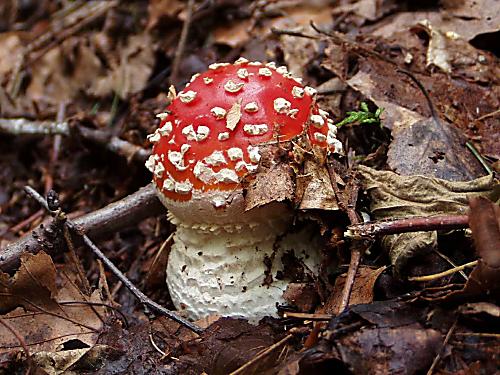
[233, 36]
[34, 283]
[317, 187]
[362, 289]
[132, 72]
[52, 316]
[484, 280]
[420, 144]
[12, 42]
[394, 196]
[52, 83]
[159, 10]
[233, 115]
[467, 18]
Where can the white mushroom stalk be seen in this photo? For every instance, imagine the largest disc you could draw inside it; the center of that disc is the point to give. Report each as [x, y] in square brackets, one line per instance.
[228, 263]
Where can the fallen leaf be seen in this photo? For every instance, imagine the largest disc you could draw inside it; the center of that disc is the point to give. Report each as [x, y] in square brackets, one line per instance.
[317, 188]
[484, 280]
[362, 289]
[467, 18]
[49, 316]
[132, 72]
[34, 283]
[304, 296]
[420, 144]
[233, 115]
[160, 11]
[395, 196]
[273, 182]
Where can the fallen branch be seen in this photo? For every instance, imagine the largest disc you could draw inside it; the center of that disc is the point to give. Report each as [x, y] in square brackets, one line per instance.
[413, 224]
[114, 217]
[145, 300]
[22, 126]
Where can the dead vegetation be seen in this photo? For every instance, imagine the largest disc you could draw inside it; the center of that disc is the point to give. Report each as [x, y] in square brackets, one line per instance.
[414, 290]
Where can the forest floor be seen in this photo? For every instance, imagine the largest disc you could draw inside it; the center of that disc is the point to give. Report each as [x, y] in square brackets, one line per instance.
[408, 216]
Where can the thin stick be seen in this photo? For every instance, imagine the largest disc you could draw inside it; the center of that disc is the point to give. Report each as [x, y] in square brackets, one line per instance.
[445, 342]
[446, 258]
[261, 355]
[306, 316]
[19, 338]
[356, 247]
[479, 157]
[488, 115]
[182, 41]
[414, 224]
[145, 300]
[439, 275]
[22, 126]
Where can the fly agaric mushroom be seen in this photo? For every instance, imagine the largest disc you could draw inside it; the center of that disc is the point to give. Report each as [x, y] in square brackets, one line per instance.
[206, 143]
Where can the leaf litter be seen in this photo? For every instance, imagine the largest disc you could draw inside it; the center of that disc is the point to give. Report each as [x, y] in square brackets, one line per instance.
[412, 87]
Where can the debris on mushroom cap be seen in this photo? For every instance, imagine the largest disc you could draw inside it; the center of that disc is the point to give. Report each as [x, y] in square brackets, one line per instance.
[209, 138]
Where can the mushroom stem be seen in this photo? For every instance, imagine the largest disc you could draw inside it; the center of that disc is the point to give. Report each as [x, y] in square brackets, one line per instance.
[231, 270]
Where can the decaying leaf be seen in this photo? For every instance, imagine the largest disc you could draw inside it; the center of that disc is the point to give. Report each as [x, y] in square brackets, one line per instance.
[362, 289]
[33, 284]
[484, 280]
[132, 72]
[49, 316]
[467, 18]
[274, 182]
[395, 196]
[383, 337]
[420, 144]
[317, 187]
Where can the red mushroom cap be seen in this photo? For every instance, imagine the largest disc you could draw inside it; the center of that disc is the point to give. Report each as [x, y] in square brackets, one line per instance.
[209, 137]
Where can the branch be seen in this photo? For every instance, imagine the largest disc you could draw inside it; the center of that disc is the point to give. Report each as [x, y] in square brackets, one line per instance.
[21, 126]
[109, 219]
[145, 300]
[414, 224]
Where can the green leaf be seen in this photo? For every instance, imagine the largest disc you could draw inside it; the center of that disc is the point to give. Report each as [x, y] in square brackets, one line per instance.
[363, 116]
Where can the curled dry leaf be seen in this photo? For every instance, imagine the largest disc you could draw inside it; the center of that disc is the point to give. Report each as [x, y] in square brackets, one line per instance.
[274, 182]
[395, 196]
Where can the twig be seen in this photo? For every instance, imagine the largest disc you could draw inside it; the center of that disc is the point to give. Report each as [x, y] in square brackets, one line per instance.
[479, 157]
[444, 273]
[145, 300]
[182, 41]
[109, 219]
[306, 316]
[414, 224]
[19, 338]
[299, 34]
[446, 258]
[488, 115]
[260, 356]
[358, 246]
[445, 342]
[22, 126]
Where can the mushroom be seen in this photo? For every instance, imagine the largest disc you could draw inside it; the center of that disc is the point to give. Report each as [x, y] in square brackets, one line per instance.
[224, 260]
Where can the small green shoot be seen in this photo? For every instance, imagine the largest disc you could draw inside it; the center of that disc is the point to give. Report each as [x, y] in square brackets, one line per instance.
[363, 116]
